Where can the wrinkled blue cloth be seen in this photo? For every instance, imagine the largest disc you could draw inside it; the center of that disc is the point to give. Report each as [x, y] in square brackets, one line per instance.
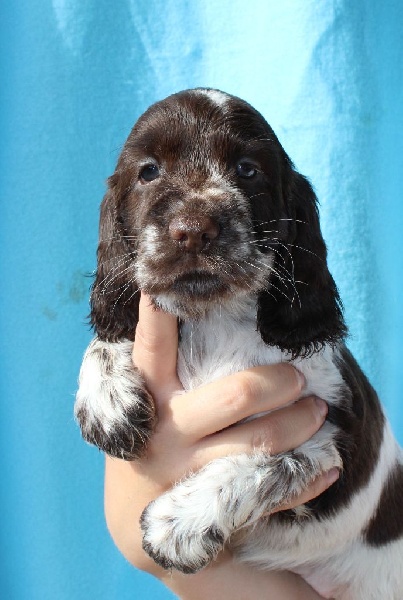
[74, 77]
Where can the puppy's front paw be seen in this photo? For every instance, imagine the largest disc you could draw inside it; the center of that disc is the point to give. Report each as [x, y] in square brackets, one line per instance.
[175, 538]
[186, 528]
[113, 408]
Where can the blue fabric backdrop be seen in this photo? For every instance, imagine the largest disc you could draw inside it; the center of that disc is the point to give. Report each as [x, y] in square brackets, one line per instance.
[74, 76]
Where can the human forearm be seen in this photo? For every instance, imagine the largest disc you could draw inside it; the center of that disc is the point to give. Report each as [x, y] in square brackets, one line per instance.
[128, 489]
[226, 579]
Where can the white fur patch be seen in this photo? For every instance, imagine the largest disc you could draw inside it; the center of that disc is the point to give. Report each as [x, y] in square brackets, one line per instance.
[97, 387]
[227, 341]
[219, 98]
[114, 410]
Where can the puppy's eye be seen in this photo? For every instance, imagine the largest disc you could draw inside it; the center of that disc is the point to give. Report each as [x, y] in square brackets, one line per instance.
[246, 170]
[149, 173]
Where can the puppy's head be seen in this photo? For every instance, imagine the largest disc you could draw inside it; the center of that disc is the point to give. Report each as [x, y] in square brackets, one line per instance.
[205, 209]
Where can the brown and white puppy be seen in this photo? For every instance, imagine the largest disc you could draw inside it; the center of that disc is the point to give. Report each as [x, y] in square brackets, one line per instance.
[206, 213]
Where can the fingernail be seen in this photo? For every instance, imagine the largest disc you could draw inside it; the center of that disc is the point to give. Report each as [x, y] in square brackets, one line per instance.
[332, 475]
[322, 406]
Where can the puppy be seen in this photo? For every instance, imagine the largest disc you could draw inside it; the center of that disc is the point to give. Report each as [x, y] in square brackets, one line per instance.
[206, 213]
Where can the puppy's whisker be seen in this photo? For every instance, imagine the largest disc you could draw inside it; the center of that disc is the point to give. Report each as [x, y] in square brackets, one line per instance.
[107, 291]
[257, 195]
[130, 254]
[280, 256]
[263, 240]
[116, 276]
[264, 269]
[305, 250]
[112, 274]
[292, 274]
[287, 219]
[126, 287]
[119, 261]
[252, 265]
[118, 238]
[220, 263]
[290, 256]
[279, 290]
[298, 248]
[116, 268]
[284, 274]
[131, 296]
[285, 277]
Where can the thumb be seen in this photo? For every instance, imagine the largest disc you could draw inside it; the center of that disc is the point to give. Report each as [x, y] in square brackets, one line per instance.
[155, 349]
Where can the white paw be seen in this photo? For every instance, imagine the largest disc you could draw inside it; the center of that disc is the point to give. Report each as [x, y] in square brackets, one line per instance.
[185, 528]
[113, 408]
[174, 536]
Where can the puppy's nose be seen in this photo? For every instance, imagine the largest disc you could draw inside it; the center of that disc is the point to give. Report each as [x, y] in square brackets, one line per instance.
[193, 233]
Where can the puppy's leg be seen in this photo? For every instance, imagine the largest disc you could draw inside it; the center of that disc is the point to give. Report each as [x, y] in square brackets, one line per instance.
[185, 528]
[113, 408]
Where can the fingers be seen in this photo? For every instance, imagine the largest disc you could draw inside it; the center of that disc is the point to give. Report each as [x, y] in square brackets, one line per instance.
[218, 405]
[279, 431]
[315, 489]
[155, 349]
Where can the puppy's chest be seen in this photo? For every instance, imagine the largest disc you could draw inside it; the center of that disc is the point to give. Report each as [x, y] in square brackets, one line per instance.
[219, 346]
[222, 344]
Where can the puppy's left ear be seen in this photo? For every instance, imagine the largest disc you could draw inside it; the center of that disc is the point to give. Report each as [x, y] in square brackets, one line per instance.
[115, 295]
[300, 310]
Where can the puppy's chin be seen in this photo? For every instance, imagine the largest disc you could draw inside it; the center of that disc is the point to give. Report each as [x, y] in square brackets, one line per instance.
[191, 297]
[199, 287]
[185, 310]
[195, 310]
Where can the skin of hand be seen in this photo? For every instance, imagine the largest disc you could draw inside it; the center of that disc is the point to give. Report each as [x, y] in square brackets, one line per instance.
[194, 428]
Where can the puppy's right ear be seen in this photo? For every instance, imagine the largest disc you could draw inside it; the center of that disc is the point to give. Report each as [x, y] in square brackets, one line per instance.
[115, 295]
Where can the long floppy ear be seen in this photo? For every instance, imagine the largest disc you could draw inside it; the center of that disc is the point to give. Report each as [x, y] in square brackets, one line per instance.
[301, 308]
[115, 296]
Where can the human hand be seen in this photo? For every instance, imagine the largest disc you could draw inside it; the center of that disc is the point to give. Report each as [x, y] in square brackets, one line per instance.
[196, 427]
